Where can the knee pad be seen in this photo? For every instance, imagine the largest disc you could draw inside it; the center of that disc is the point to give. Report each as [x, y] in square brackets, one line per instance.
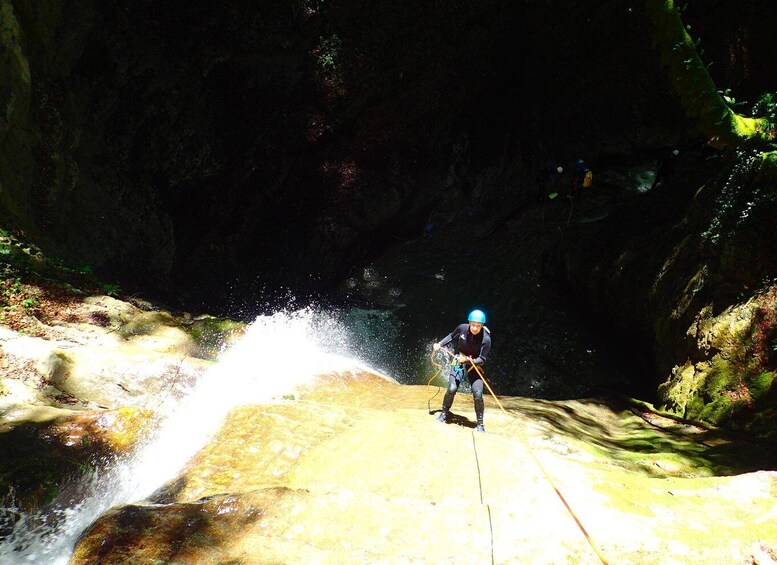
[477, 390]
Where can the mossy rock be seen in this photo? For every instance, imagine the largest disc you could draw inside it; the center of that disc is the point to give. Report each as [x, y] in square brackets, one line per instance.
[733, 382]
[34, 469]
[44, 454]
[213, 334]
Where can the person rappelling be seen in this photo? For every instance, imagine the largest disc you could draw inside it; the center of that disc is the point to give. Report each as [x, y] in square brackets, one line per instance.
[471, 344]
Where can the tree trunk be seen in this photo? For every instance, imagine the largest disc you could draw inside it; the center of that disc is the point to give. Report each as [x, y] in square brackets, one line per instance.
[693, 84]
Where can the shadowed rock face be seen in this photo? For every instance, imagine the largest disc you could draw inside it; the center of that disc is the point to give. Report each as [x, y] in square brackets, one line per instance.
[692, 277]
[356, 470]
[158, 143]
[45, 448]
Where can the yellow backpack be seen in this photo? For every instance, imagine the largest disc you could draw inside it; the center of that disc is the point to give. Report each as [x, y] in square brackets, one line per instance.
[588, 179]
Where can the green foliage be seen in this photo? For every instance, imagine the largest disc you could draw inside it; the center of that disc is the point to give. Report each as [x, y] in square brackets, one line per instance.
[740, 195]
[721, 378]
[729, 99]
[766, 107]
[306, 8]
[15, 294]
[111, 289]
[329, 52]
[330, 67]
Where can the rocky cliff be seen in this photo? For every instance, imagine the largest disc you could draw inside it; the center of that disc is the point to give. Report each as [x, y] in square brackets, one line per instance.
[157, 142]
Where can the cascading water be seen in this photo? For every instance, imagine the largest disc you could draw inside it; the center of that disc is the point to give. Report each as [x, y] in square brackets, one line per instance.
[277, 353]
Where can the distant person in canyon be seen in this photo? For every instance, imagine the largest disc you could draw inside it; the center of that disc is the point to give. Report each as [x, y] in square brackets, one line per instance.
[582, 177]
[471, 344]
[665, 168]
[546, 181]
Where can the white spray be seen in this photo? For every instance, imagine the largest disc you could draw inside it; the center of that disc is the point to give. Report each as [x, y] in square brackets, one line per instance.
[277, 354]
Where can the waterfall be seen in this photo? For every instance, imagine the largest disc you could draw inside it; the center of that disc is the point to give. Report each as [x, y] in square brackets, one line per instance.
[277, 353]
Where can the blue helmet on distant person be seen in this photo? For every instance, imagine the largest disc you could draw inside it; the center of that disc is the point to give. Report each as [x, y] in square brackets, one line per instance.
[477, 316]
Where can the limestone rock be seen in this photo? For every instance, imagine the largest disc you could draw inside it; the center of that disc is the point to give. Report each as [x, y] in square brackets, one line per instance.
[356, 470]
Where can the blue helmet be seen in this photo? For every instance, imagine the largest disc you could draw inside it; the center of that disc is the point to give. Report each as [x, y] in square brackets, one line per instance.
[477, 316]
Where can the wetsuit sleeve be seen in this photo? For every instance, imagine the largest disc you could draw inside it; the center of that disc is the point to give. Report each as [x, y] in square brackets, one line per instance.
[451, 336]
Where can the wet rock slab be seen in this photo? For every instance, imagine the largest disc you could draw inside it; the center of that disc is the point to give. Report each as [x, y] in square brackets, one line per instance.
[354, 469]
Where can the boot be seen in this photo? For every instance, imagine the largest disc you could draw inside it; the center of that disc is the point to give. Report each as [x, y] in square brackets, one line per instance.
[447, 402]
[480, 408]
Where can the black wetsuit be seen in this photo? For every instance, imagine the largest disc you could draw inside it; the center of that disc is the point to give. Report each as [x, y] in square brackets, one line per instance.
[544, 180]
[477, 348]
[664, 169]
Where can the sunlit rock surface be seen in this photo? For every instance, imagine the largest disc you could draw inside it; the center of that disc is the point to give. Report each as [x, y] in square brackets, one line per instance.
[102, 353]
[84, 390]
[352, 468]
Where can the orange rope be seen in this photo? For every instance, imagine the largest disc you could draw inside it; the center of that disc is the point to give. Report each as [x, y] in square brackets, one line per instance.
[436, 364]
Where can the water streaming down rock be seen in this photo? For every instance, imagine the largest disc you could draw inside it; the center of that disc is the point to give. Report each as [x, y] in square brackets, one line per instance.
[277, 353]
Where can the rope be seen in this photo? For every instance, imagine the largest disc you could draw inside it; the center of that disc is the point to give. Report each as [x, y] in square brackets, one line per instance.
[436, 364]
[564, 501]
[539, 464]
[488, 507]
[434, 376]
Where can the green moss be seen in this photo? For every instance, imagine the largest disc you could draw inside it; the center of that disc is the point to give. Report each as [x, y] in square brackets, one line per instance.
[10, 35]
[37, 478]
[718, 410]
[211, 333]
[720, 379]
[745, 126]
[760, 384]
[694, 408]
